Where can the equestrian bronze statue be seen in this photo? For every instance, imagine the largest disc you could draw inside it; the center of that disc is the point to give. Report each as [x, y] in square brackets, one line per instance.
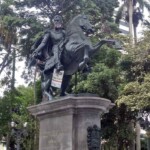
[68, 50]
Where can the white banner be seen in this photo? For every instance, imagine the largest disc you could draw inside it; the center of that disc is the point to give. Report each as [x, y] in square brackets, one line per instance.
[57, 78]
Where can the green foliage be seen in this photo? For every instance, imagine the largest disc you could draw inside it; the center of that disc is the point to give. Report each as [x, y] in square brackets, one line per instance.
[136, 95]
[5, 116]
[116, 127]
[143, 143]
[104, 78]
[100, 12]
[100, 81]
[23, 99]
[13, 107]
[135, 66]
[136, 63]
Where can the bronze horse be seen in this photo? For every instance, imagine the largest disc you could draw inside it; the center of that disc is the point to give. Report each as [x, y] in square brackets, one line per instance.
[75, 49]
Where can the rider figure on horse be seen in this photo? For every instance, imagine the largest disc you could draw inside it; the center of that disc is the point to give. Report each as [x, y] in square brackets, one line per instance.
[47, 53]
[72, 47]
[48, 46]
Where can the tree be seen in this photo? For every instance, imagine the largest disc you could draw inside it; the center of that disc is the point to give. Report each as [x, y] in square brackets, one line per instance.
[136, 95]
[136, 70]
[104, 79]
[116, 128]
[133, 14]
[8, 36]
[23, 97]
[128, 4]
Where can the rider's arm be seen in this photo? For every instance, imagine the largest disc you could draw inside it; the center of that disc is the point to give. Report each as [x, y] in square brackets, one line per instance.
[43, 43]
[36, 43]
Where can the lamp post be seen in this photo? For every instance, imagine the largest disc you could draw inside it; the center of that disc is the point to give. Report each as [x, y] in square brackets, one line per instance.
[19, 133]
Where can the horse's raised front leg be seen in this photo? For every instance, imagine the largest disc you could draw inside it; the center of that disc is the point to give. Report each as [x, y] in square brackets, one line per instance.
[85, 59]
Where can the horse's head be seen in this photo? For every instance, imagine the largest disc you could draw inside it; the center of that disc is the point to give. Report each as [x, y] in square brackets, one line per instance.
[85, 24]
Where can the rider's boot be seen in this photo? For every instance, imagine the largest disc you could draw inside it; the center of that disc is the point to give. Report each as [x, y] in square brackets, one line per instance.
[64, 85]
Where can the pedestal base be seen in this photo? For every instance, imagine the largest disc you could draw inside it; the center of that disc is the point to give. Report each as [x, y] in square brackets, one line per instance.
[64, 122]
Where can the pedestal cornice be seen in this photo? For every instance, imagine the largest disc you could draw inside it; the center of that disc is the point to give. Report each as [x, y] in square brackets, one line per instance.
[71, 104]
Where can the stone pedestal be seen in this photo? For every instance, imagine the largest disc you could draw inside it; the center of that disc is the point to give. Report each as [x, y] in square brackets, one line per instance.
[64, 122]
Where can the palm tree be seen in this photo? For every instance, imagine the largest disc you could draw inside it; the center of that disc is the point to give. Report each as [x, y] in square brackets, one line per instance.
[138, 14]
[133, 14]
[126, 9]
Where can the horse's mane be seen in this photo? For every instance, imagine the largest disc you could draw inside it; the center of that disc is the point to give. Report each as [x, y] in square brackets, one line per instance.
[73, 26]
[73, 21]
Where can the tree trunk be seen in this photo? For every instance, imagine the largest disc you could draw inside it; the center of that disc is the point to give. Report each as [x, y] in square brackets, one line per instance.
[138, 140]
[12, 93]
[130, 11]
[13, 70]
[132, 142]
[148, 139]
[120, 145]
[8, 141]
[135, 35]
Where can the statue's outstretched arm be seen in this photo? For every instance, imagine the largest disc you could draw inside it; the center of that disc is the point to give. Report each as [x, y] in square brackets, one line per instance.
[43, 43]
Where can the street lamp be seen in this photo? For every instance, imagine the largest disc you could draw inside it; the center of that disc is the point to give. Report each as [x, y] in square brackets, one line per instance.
[18, 132]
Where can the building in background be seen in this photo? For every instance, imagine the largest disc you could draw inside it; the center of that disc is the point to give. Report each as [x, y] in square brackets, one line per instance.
[124, 27]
